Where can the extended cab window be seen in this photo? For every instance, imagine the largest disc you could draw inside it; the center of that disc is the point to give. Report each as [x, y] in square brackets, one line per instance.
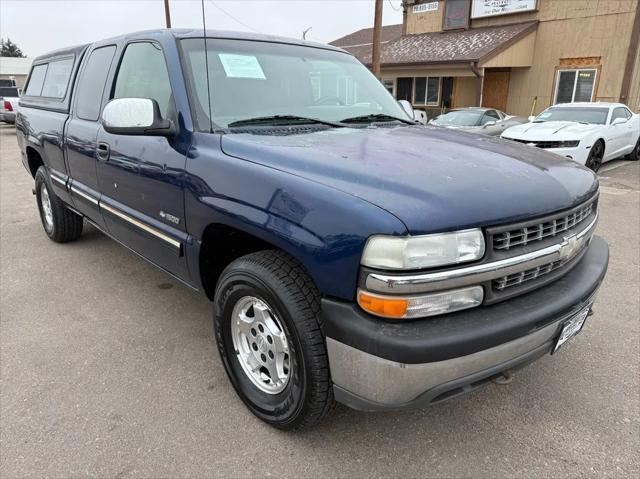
[36, 80]
[143, 74]
[91, 87]
[57, 78]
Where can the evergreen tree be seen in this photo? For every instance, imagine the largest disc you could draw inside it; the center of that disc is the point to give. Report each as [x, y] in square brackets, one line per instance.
[10, 49]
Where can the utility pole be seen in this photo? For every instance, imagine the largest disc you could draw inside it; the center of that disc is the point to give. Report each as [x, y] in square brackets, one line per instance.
[377, 27]
[167, 14]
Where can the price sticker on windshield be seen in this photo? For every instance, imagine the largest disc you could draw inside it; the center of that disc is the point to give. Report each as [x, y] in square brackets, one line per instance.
[241, 66]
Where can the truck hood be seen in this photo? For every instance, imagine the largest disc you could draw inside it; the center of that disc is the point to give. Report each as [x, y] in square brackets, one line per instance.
[433, 179]
[551, 130]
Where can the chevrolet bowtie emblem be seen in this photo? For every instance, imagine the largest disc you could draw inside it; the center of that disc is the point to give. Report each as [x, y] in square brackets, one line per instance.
[569, 247]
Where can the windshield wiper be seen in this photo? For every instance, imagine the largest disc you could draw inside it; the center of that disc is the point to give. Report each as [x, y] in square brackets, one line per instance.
[375, 117]
[279, 120]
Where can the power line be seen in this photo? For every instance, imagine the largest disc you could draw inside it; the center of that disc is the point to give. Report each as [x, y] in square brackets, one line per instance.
[397, 9]
[232, 17]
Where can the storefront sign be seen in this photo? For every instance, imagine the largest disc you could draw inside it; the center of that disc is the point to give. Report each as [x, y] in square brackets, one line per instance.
[491, 8]
[425, 7]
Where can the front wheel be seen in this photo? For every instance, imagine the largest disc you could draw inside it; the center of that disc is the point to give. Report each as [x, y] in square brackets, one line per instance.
[594, 160]
[268, 334]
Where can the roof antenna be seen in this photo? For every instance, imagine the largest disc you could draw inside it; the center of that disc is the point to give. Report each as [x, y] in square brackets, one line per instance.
[206, 65]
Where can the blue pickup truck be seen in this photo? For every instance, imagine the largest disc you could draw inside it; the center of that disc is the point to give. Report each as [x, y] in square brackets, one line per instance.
[350, 254]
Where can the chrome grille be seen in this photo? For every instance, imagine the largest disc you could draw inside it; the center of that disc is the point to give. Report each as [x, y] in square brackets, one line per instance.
[522, 277]
[538, 231]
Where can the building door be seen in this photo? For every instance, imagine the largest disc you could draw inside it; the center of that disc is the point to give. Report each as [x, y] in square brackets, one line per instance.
[447, 92]
[404, 88]
[495, 89]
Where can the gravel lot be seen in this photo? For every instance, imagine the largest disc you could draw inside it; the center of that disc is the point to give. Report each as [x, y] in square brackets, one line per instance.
[109, 369]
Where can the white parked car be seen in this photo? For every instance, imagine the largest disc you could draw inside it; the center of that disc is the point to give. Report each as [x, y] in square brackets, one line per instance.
[588, 133]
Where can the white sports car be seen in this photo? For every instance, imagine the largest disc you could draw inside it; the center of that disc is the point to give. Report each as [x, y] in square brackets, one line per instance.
[588, 133]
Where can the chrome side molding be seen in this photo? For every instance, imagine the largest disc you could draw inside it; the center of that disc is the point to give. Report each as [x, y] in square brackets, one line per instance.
[139, 224]
[84, 195]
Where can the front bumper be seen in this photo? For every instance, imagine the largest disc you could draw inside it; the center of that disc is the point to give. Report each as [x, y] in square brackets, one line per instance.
[578, 154]
[382, 365]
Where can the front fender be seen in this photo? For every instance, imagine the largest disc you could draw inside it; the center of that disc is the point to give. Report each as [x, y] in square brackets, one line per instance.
[323, 228]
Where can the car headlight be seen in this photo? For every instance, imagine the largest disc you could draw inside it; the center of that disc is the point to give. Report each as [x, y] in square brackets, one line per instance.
[427, 251]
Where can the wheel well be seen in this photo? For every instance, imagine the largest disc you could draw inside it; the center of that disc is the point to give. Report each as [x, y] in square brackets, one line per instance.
[34, 159]
[222, 244]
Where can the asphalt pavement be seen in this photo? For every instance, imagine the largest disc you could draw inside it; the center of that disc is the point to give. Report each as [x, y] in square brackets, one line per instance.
[108, 368]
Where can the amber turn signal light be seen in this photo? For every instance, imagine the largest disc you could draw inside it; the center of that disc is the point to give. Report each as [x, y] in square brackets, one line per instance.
[382, 306]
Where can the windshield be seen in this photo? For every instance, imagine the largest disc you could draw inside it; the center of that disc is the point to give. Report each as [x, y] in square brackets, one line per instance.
[251, 79]
[597, 116]
[459, 118]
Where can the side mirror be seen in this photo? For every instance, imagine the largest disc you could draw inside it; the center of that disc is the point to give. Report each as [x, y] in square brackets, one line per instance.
[618, 121]
[135, 116]
[488, 124]
[531, 118]
[408, 109]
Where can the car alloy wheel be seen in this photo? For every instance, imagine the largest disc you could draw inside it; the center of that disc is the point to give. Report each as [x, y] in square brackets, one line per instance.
[261, 344]
[47, 212]
[594, 161]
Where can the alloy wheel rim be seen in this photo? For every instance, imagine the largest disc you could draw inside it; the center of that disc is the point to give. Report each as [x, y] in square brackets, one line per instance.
[596, 158]
[45, 201]
[260, 344]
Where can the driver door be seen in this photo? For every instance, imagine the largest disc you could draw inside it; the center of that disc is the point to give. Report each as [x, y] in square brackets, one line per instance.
[141, 177]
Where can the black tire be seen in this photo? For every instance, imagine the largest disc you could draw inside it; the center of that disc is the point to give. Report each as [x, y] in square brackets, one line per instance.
[594, 160]
[635, 154]
[64, 225]
[282, 284]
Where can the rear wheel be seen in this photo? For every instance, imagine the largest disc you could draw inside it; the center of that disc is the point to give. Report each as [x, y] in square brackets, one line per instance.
[594, 160]
[269, 337]
[60, 223]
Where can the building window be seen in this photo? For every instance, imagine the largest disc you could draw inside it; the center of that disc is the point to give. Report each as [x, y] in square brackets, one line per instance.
[427, 91]
[389, 84]
[575, 85]
[456, 14]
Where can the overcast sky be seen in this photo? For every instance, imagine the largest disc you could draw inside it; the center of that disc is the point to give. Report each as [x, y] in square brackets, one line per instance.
[44, 25]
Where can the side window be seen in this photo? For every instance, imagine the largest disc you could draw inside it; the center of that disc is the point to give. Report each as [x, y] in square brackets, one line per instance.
[36, 80]
[619, 113]
[57, 78]
[143, 74]
[490, 115]
[91, 86]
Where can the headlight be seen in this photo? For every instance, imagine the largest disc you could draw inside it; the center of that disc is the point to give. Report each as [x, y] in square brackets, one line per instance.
[428, 251]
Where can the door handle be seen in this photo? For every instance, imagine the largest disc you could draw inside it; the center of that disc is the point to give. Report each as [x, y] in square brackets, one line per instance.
[103, 151]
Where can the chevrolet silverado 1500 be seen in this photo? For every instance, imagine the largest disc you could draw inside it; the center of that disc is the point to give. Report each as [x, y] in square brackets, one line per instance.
[349, 253]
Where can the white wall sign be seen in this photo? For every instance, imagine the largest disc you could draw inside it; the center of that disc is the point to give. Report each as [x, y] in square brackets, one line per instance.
[490, 8]
[425, 7]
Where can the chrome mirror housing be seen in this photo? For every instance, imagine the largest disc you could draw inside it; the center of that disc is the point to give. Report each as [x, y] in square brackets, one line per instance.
[135, 116]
